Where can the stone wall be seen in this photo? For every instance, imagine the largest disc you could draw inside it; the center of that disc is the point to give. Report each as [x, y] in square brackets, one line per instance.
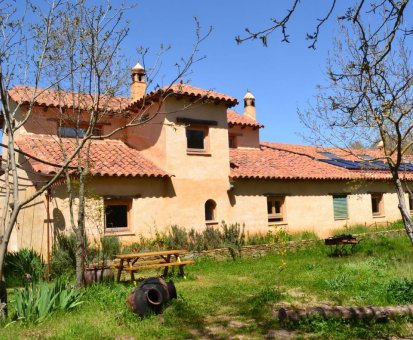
[264, 249]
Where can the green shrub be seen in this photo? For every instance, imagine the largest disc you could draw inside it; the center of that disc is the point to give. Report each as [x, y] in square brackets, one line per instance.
[23, 265]
[400, 291]
[63, 258]
[110, 246]
[36, 302]
[196, 241]
[233, 238]
[212, 238]
[177, 238]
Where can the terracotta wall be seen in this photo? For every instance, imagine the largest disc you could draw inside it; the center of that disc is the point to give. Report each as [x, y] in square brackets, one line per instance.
[246, 137]
[309, 204]
[158, 204]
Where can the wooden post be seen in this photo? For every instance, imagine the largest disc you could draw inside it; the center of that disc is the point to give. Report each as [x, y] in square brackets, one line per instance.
[48, 197]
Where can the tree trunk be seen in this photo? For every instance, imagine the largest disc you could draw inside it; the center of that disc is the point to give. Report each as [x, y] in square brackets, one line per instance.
[4, 241]
[407, 221]
[80, 237]
[328, 312]
[3, 299]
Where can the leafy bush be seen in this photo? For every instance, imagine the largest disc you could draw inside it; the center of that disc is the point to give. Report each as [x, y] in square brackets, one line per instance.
[35, 302]
[233, 238]
[110, 246]
[63, 258]
[196, 240]
[23, 265]
[177, 238]
[212, 238]
[400, 291]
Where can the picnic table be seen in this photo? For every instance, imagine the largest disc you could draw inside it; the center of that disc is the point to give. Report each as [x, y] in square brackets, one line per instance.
[133, 263]
[341, 244]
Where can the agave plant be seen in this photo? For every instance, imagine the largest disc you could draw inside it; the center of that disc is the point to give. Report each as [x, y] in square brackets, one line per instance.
[36, 302]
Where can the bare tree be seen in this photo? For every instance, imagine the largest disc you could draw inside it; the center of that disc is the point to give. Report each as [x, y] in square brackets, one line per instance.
[73, 50]
[369, 99]
[86, 48]
[22, 60]
[389, 16]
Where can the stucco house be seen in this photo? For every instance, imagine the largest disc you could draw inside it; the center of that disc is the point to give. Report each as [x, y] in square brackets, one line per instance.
[195, 164]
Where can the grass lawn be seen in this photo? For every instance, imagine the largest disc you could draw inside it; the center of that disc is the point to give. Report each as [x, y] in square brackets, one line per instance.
[240, 298]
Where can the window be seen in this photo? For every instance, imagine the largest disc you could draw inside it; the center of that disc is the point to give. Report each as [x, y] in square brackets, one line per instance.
[73, 132]
[377, 204]
[117, 214]
[196, 138]
[340, 207]
[276, 208]
[210, 210]
[232, 141]
[70, 132]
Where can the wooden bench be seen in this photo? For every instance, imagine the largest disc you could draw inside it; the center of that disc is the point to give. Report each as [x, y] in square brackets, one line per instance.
[341, 244]
[166, 259]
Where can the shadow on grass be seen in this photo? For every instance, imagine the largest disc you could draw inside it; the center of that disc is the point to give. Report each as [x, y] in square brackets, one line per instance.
[181, 314]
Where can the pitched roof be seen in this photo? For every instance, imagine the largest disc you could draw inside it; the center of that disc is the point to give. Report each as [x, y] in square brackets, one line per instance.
[108, 157]
[190, 91]
[55, 98]
[288, 161]
[234, 118]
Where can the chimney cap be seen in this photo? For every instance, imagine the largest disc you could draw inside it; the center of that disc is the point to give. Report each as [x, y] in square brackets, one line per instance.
[137, 67]
[249, 95]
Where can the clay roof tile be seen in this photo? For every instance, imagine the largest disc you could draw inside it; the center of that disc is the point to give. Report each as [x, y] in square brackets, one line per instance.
[107, 157]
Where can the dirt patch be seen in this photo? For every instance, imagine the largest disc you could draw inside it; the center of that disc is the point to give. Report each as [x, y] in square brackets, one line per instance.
[280, 334]
[305, 298]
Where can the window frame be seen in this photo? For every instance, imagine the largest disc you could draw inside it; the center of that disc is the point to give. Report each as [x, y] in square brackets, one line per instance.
[97, 131]
[205, 130]
[214, 212]
[274, 217]
[336, 208]
[380, 205]
[232, 141]
[114, 202]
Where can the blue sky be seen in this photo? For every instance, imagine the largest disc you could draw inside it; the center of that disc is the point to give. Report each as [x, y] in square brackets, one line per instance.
[283, 77]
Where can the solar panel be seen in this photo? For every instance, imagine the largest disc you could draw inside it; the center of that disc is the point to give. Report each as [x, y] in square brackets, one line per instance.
[367, 164]
[376, 165]
[366, 157]
[329, 155]
[406, 167]
[350, 165]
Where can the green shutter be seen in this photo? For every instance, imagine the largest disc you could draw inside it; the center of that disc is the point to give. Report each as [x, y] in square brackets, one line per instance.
[340, 206]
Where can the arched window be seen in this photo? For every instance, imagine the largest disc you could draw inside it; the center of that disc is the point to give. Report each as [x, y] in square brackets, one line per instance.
[210, 210]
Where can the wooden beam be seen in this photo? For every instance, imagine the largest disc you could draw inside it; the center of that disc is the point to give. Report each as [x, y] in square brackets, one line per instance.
[191, 121]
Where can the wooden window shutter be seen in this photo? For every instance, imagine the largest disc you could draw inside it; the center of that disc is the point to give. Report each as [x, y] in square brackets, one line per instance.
[340, 206]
